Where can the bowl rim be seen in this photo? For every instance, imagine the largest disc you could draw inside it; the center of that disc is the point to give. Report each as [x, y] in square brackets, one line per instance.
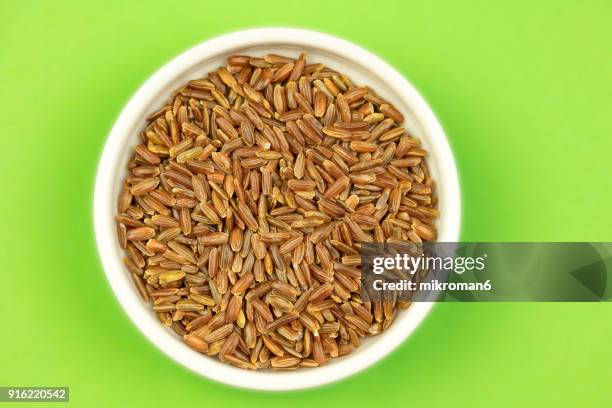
[104, 225]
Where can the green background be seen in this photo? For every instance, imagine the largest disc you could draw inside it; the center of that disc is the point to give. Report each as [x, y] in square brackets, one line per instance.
[522, 88]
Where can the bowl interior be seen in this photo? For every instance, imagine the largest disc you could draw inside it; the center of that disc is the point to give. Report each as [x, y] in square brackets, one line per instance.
[196, 63]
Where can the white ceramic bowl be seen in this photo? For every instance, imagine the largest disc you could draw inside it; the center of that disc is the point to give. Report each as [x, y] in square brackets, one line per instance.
[361, 66]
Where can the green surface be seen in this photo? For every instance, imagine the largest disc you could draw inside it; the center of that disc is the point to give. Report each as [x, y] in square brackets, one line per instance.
[522, 88]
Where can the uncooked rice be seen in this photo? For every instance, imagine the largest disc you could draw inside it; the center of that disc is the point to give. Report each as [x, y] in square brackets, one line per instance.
[248, 199]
